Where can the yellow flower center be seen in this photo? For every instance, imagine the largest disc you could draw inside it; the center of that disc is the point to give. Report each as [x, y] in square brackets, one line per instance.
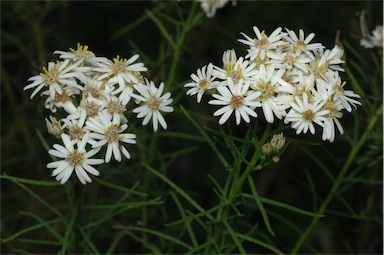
[91, 108]
[308, 115]
[76, 133]
[153, 103]
[204, 84]
[75, 158]
[52, 75]
[119, 65]
[114, 106]
[266, 89]
[236, 102]
[112, 134]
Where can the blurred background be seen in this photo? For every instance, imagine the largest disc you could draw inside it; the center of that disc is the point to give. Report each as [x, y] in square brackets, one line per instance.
[32, 30]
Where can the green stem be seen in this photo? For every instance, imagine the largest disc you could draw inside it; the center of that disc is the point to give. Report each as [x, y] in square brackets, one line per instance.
[236, 190]
[339, 180]
[186, 26]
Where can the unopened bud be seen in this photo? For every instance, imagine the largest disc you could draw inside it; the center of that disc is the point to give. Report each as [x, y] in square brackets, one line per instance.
[278, 142]
[54, 127]
[229, 59]
[267, 149]
[275, 159]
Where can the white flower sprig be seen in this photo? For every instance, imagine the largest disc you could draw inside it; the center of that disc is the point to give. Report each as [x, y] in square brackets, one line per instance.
[95, 95]
[296, 81]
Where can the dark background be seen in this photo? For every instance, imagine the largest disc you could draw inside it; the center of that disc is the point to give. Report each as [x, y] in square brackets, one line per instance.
[31, 31]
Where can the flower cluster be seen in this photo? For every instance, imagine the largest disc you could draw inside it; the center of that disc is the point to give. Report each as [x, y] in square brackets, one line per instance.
[94, 94]
[285, 75]
[270, 151]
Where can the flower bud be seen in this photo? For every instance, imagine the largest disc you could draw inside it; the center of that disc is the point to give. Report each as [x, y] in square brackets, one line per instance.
[229, 59]
[278, 142]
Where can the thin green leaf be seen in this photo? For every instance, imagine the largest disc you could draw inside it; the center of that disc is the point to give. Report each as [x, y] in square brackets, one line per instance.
[127, 206]
[178, 190]
[260, 205]
[206, 137]
[161, 27]
[234, 237]
[87, 241]
[156, 233]
[121, 188]
[29, 181]
[260, 243]
[51, 229]
[39, 242]
[37, 197]
[43, 141]
[183, 215]
[30, 229]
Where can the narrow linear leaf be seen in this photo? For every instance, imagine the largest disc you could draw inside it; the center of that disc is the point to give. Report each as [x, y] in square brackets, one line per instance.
[54, 232]
[37, 197]
[158, 234]
[88, 241]
[28, 181]
[206, 137]
[197, 215]
[39, 242]
[30, 229]
[121, 188]
[260, 205]
[178, 190]
[161, 27]
[186, 222]
[234, 237]
[285, 206]
[260, 243]
[128, 205]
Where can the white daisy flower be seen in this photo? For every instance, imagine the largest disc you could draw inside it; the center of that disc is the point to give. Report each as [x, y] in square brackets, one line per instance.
[332, 119]
[76, 130]
[300, 84]
[203, 81]
[303, 114]
[374, 40]
[89, 107]
[117, 106]
[120, 71]
[235, 98]
[300, 44]
[153, 103]
[210, 6]
[81, 54]
[333, 58]
[334, 87]
[267, 83]
[77, 159]
[54, 126]
[263, 44]
[289, 60]
[241, 70]
[62, 100]
[57, 76]
[106, 129]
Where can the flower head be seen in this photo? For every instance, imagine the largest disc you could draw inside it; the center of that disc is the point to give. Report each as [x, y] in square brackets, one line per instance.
[153, 103]
[235, 98]
[202, 82]
[106, 129]
[304, 113]
[57, 76]
[74, 159]
[263, 44]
